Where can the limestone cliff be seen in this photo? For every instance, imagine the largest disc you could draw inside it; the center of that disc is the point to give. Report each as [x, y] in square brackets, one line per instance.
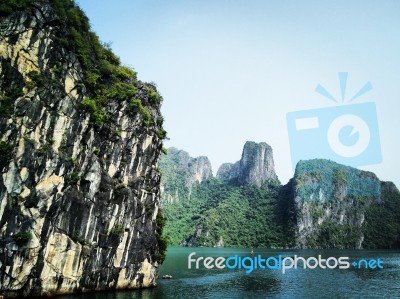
[333, 205]
[237, 209]
[180, 172]
[80, 141]
[325, 205]
[254, 168]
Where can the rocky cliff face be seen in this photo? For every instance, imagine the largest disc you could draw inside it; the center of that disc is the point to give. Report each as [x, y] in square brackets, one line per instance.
[227, 171]
[330, 201]
[180, 172]
[201, 169]
[79, 190]
[325, 205]
[254, 168]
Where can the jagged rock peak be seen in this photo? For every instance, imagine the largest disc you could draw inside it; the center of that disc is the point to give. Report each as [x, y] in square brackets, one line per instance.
[180, 172]
[200, 167]
[255, 167]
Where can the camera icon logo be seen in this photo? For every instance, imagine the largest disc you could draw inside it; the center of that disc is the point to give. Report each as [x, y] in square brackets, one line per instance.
[347, 134]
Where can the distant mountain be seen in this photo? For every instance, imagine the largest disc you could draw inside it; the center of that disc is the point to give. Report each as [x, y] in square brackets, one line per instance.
[180, 172]
[325, 204]
[337, 206]
[254, 168]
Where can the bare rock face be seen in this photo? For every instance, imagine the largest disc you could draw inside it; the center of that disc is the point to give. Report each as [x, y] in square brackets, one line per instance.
[201, 169]
[330, 204]
[180, 172]
[78, 199]
[325, 205]
[254, 168]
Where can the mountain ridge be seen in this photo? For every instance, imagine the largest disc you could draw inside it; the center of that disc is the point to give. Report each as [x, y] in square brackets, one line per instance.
[324, 205]
[256, 166]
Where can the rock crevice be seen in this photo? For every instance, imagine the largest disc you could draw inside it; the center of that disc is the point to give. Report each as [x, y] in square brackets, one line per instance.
[78, 199]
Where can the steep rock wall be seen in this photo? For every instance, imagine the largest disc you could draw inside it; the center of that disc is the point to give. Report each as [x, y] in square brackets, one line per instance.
[326, 205]
[78, 201]
[255, 167]
[330, 202]
[180, 172]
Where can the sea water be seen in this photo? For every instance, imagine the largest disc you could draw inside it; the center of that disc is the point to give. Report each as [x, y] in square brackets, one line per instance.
[360, 280]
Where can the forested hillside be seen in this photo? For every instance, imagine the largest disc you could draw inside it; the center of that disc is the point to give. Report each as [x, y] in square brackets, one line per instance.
[325, 205]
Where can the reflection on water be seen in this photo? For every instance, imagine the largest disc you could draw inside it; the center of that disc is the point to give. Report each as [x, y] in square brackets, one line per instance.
[267, 283]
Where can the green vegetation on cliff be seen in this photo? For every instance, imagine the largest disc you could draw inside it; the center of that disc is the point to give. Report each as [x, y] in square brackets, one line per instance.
[9, 6]
[66, 101]
[342, 207]
[325, 205]
[330, 177]
[239, 216]
[104, 78]
[161, 240]
[175, 174]
[382, 220]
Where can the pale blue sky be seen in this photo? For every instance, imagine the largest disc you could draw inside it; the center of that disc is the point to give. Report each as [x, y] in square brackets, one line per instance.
[229, 71]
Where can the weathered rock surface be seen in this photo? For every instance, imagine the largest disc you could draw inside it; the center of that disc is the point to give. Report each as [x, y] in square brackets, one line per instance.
[78, 202]
[325, 205]
[254, 168]
[330, 203]
[180, 172]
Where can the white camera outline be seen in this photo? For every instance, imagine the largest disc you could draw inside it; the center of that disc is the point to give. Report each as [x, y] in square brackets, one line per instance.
[359, 126]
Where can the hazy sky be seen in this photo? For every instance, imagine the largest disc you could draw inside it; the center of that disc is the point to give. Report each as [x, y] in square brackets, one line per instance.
[230, 71]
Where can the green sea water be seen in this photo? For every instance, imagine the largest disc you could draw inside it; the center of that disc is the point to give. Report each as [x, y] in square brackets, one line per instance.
[270, 283]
